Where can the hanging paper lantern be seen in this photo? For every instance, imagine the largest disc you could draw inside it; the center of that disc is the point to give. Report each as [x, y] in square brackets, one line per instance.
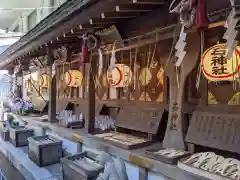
[43, 80]
[119, 76]
[215, 65]
[73, 78]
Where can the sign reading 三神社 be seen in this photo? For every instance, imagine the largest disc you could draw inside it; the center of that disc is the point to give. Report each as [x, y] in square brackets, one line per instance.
[215, 65]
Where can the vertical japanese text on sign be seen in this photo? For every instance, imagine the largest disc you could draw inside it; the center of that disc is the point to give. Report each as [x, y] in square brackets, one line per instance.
[216, 66]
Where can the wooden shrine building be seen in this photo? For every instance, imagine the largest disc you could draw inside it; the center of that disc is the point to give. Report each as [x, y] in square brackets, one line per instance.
[117, 58]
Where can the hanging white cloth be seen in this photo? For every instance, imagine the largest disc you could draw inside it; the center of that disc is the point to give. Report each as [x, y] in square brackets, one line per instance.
[113, 58]
[100, 64]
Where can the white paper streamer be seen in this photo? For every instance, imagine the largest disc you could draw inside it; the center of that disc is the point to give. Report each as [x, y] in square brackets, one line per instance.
[113, 59]
[100, 65]
[180, 45]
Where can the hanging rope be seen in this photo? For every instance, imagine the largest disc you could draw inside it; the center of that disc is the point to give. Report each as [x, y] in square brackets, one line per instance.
[199, 72]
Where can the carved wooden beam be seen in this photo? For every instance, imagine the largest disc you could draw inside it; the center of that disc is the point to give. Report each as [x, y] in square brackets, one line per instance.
[119, 15]
[155, 2]
[75, 32]
[134, 8]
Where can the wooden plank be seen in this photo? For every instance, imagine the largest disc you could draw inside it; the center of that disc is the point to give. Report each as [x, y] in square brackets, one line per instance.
[103, 21]
[155, 2]
[140, 161]
[216, 130]
[119, 15]
[90, 26]
[134, 8]
[134, 118]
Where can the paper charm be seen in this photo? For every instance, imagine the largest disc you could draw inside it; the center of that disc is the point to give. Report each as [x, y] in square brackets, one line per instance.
[180, 45]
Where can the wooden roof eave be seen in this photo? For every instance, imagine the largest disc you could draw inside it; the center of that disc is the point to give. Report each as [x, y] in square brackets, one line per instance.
[47, 29]
[83, 14]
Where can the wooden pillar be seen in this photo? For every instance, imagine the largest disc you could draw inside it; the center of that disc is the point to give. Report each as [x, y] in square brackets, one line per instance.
[90, 97]
[18, 83]
[174, 136]
[52, 88]
[11, 73]
[24, 69]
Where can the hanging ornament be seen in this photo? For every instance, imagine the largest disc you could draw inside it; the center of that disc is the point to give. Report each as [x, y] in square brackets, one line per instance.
[136, 68]
[113, 58]
[87, 46]
[232, 33]
[73, 78]
[201, 15]
[201, 25]
[85, 52]
[186, 10]
[180, 45]
[60, 54]
[187, 13]
[100, 64]
[217, 67]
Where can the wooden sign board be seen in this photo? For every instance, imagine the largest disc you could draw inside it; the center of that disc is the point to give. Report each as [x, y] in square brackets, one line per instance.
[216, 130]
[145, 120]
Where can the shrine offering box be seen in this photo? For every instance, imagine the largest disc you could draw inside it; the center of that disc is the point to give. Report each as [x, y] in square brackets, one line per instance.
[136, 127]
[19, 136]
[44, 150]
[81, 166]
[167, 155]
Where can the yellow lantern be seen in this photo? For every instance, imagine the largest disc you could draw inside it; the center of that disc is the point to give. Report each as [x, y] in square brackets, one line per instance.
[43, 80]
[216, 67]
[160, 76]
[73, 78]
[120, 76]
[105, 80]
[145, 76]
